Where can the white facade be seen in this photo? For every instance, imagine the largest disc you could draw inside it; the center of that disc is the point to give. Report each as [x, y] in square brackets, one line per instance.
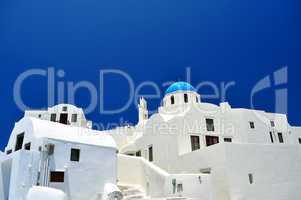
[188, 150]
[247, 154]
[67, 158]
[62, 113]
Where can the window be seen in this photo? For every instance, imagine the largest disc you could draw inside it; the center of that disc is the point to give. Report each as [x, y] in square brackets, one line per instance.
[210, 124]
[251, 179]
[271, 136]
[180, 188]
[197, 99]
[40, 115]
[252, 125]
[9, 152]
[53, 117]
[211, 140]
[138, 153]
[172, 100]
[74, 118]
[185, 98]
[57, 177]
[75, 154]
[195, 142]
[227, 139]
[27, 146]
[299, 140]
[280, 137]
[64, 118]
[19, 141]
[272, 124]
[150, 153]
[65, 108]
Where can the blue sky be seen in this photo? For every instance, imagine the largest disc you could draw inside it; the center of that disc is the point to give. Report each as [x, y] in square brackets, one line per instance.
[155, 40]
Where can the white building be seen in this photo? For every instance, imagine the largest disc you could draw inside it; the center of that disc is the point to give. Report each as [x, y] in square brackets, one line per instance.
[236, 153]
[62, 113]
[79, 162]
[188, 150]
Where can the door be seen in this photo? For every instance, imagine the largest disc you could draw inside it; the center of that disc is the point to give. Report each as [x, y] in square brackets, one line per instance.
[64, 118]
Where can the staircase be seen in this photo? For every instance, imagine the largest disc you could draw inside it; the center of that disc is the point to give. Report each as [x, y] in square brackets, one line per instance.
[131, 192]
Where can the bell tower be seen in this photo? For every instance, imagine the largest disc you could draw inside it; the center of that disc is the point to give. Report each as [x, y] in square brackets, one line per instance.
[143, 112]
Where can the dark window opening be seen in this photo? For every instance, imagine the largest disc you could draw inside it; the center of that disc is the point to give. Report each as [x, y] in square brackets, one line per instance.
[280, 138]
[19, 141]
[172, 100]
[211, 140]
[195, 142]
[227, 139]
[185, 98]
[150, 154]
[9, 152]
[251, 179]
[53, 117]
[271, 136]
[252, 125]
[27, 146]
[57, 177]
[197, 99]
[210, 124]
[299, 140]
[138, 153]
[74, 118]
[65, 108]
[75, 155]
[40, 115]
[272, 124]
[64, 118]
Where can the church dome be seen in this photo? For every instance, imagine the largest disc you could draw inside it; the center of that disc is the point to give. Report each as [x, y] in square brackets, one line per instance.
[179, 86]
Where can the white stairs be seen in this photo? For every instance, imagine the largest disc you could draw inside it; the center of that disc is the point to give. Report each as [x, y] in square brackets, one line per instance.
[132, 192]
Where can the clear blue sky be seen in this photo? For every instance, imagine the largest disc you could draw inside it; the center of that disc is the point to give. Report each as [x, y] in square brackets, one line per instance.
[154, 40]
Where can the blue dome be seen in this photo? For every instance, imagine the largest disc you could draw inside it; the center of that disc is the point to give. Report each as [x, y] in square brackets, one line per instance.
[179, 86]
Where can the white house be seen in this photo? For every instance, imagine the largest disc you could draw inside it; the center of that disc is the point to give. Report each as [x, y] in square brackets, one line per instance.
[189, 149]
[246, 154]
[62, 113]
[78, 162]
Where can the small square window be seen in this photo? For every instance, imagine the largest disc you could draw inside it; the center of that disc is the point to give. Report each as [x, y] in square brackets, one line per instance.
[251, 179]
[9, 152]
[150, 154]
[53, 117]
[271, 137]
[40, 115]
[211, 140]
[75, 155]
[65, 108]
[252, 125]
[27, 146]
[280, 137]
[227, 139]
[74, 118]
[195, 142]
[138, 153]
[57, 177]
[210, 124]
[19, 141]
[272, 124]
[185, 98]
